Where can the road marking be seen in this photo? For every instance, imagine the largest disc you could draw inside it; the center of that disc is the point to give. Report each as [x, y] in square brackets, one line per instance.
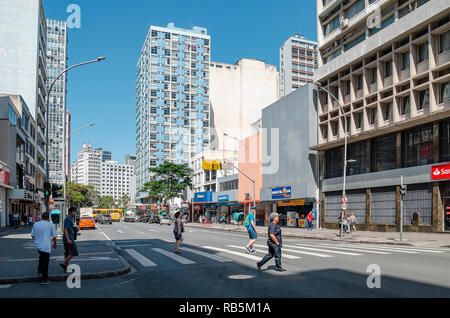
[152, 230]
[412, 249]
[173, 256]
[140, 232]
[232, 252]
[322, 250]
[265, 252]
[386, 249]
[106, 236]
[301, 252]
[140, 258]
[4, 286]
[348, 248]
[120, 231]
[212, 256]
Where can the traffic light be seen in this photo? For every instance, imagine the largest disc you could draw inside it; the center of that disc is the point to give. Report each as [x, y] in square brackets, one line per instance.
[403, 189]
[56, 190]
[47, 189]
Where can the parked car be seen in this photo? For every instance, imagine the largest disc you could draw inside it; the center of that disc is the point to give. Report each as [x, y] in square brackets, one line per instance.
[165, 220]
[154, 219]
[87, 222]
[129, 218]
[106, 219]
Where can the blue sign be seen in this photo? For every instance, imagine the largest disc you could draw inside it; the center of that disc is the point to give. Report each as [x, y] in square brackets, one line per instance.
[281, 193]
[223, 198]
[205, 196]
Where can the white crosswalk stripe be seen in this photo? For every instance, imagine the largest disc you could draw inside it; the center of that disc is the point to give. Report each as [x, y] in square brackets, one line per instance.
[407, 248]
[152, 230]
[173, 256]
[208, 255]
[376, 248]
[232, 252]
[265, 252]
[323, 250]
[299, 252]
[5, 286]
[348, 248]
[140, 258]
[120, 231]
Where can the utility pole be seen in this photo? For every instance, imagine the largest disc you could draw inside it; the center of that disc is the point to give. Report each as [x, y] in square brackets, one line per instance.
[402, 194]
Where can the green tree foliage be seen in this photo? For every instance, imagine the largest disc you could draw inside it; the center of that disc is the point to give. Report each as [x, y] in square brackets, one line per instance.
[106, 202]
[80, 195]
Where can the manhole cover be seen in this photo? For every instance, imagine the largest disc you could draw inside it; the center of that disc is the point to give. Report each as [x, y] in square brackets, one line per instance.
[241, 276]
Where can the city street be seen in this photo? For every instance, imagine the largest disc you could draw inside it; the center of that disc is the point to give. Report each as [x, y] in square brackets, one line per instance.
[215, 264]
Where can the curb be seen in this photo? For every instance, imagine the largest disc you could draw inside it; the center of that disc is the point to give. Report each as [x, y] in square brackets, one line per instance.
[125, 270]
[308, 237]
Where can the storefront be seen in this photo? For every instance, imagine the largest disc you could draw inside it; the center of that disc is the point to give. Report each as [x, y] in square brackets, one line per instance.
[4, 187]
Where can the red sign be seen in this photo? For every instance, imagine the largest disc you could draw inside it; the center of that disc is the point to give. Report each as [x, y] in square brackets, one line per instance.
[440, 172]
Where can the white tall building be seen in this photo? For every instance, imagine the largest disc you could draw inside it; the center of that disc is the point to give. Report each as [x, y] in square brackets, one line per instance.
[118, 179]
[56, 63]
[87, 169]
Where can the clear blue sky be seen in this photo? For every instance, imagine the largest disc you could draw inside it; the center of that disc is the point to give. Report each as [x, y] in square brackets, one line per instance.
[104, 93]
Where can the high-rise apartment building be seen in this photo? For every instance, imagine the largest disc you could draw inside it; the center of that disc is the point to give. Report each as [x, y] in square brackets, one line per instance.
[87, 169]
[106, 155]
[56, 63]
[388, 64]
[117, 180]
[298, 61]
[23, 38]
[172, 92]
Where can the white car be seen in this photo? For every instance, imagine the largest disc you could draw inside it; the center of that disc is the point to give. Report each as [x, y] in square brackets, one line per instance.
[165, 220]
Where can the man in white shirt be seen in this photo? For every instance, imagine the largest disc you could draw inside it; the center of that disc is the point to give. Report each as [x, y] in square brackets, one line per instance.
[42, 233]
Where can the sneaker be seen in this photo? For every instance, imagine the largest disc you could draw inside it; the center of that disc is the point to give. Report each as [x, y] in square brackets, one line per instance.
[280, 269]
[247, 249]
[64, 267]
[258, 267]
[44, 282]
[253, 251]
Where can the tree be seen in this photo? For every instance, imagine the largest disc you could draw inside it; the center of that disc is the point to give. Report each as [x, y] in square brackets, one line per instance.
[79, 195]
[106, 202]
[168, 181]
[124, 200]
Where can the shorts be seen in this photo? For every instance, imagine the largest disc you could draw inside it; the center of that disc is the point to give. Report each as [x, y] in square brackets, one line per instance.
[177, 236]
[70, 249]
[251, 233]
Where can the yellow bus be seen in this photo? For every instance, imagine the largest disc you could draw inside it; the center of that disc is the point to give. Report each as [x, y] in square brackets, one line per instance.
[116, 214]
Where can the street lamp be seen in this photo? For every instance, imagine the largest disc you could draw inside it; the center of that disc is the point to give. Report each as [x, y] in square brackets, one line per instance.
[249, 172]
[47, 176]
[345, 149]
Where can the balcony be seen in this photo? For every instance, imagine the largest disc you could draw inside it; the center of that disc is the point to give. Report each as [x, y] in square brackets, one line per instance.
[404, 75]
[422, 67]
[443, 58]
[359, 94]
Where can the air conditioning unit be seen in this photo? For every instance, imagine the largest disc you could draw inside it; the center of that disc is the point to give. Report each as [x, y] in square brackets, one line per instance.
[344, 23]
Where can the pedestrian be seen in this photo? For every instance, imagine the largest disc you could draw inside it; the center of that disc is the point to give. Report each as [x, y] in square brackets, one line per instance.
[310, 220]
[30, 219]
[70, 248]
[251, 229]
[16, 220]
[274, 243]
[42, 233]
[177, 230]
[349, 224]
[11, 219]
[340, 224]
[354, 221]
[37, 218]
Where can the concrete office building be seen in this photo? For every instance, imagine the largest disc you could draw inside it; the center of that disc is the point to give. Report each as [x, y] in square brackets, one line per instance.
[87, 170]
[117, 180]
[388, 63]
[289, 171]
[56, 63]
[298, 61]
[238, 94]
[18, 191]
[172, 93]
[23, 38]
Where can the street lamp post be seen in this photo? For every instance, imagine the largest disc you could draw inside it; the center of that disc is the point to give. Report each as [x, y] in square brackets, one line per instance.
[345, 149]
[47, 176]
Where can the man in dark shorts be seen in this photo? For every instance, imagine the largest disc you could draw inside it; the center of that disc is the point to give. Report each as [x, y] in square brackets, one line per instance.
[70, 248]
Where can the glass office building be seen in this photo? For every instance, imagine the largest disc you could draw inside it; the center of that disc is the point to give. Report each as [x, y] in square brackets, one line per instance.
[172, 97]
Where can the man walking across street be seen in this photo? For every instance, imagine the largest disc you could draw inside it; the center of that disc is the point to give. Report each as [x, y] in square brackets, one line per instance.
[251, 229]
[70, 248]
[274, 242]
[42, 233]
[310, 220]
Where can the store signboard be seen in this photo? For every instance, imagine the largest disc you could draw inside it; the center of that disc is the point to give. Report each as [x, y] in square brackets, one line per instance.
[440, 172]
[222, 198]
[292, 203]
[281, 193]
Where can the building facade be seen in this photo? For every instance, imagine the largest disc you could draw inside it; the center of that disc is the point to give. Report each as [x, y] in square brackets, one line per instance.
[388, 64]
[56, 63]
[23, 34]
[118, 180]
[238, 94]
[87, 170]
[298, 61]
[172, 92]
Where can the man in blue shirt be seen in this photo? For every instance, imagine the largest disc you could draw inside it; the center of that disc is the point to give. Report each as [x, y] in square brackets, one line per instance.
[42, 232]
[251, 229]
[70, 248]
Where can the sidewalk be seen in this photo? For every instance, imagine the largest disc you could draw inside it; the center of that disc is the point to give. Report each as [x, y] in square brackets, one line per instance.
[19, 259]
[431, 240]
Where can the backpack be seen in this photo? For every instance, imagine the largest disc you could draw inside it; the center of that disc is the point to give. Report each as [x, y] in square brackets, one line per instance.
[247, 221]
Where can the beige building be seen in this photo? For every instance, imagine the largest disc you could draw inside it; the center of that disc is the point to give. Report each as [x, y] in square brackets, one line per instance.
[388, 64]
[238, 93]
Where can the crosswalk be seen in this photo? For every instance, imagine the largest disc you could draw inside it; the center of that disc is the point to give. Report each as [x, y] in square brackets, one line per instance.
[158, 256]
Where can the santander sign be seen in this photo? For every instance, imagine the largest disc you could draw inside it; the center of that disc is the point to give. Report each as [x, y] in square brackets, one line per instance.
[440, 172]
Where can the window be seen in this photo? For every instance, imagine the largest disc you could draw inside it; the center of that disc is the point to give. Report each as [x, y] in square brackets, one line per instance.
[404, 61]
[333, 25]
[333, 163]
[357, 152]
[383, 153]
[334, 128]
[373, 75]
[325, 132]
[444, 42]
[356, 8]
[388, 69]
[444, 93]
[359, 82]
[422, 52]
[372, 113]
[423, 100]
[387, 111]
[358, 120]
[347, 87]
[404, 105]
[444, 141]
[417, 146]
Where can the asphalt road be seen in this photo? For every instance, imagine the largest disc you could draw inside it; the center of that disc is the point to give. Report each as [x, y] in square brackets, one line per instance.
[215, 264]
